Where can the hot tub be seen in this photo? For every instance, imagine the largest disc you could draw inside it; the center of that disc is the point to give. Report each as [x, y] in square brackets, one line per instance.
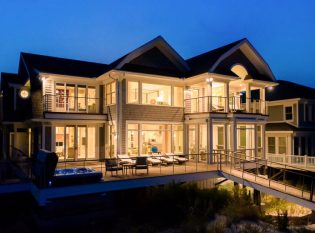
[73, 176]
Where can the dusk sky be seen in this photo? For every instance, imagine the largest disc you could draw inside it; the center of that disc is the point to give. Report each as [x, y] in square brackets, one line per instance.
[283, 31]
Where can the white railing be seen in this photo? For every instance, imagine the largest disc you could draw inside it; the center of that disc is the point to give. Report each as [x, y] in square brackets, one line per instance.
[294, 160]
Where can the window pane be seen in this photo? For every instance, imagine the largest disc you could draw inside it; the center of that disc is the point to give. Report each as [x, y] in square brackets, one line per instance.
[133, 142]
[133, 126]
[272, 145]
[288, 113]
[282, 145]
[91, 99]
[81, 98]
[70, 97]
[203, 142]
[178, 96]
[156, 94]
[133, 92]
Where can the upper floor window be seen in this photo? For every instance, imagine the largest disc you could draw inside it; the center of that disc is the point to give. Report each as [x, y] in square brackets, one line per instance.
[111, 93]
[156, 94]
[178, 96]
[288, 113]
[133, 92]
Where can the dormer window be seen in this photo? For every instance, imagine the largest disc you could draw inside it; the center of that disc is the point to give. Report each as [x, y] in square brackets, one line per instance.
[288, 113]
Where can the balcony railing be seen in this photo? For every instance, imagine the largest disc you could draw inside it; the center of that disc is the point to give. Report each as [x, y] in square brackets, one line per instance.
[220, 104]
[302, 161]
[206, 104]
[61, 103]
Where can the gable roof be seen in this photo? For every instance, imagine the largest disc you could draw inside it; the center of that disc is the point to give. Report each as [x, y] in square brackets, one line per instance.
[47, 64]
[289, 90]
[203, 62]
[152, 57]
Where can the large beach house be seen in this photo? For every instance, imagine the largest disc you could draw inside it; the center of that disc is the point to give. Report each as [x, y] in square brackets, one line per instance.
[149, 100]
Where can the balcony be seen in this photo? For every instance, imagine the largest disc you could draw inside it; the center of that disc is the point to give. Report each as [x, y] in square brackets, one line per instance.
[235, 104]
[71, 104]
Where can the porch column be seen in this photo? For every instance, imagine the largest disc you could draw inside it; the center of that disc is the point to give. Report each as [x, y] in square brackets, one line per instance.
[256, 141]
[233, 136]
[262, 103]
[209, 81]
[225, 137]
[186, 139]
[248, 97]
[210, 141]
[226, 94]
[118, 116]
[263, 141]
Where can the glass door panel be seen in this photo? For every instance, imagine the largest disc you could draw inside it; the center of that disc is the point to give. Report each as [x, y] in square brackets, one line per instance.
[192, 141]
[60, 140]
[91, 142]
[70, 143]
[203, 142]
[82, 142]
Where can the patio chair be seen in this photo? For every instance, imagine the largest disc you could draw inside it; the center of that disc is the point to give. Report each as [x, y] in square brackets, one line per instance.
[124, 159]
[141, 163]
[112, 165]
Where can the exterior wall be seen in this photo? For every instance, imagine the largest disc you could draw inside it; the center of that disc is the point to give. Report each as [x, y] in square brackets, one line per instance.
[37, 104]
[139, 112]
[276, 111]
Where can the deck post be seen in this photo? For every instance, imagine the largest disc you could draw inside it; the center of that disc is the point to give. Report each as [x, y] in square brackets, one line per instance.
[257, 197]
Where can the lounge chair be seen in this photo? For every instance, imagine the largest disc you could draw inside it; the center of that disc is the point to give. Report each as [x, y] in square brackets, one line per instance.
[167, 159]
[112, 165]
[142, 163]
[124, 159]
[154, 160]
[180, 159]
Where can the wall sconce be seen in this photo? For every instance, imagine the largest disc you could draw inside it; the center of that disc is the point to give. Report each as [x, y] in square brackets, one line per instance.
[209, 80]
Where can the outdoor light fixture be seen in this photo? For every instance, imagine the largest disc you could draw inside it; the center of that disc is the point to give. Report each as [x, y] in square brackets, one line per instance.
[24, 93]
[208, 80]
[270, 88]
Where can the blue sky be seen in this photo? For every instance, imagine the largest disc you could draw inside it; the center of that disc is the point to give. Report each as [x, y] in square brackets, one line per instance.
[283, 31]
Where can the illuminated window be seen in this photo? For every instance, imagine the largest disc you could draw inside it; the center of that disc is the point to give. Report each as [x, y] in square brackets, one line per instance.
[111, 93]
[133, 92]
[178, 96]
[155, 94]
[239, 70]
[272, 145]
[282, 147]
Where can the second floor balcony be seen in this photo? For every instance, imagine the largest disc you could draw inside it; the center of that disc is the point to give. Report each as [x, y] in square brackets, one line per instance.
[72, 104]
[235, 104]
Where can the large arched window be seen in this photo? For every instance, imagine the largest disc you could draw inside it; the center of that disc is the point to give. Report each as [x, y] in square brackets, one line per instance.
[239, 70]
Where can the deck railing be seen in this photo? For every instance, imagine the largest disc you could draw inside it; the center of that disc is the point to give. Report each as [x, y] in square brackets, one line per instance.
[62, 103]
[302, 161]
[224, 104]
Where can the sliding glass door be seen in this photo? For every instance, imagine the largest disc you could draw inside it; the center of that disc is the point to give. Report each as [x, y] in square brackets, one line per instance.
[76, 142]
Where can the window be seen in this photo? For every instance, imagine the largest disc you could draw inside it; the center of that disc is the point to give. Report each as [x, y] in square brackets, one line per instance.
[282, 147]
[272, 145]
[91, 99]
[133, 139]
[296, 146]
[178, 139]
[288, 113]
[133, 92]
[111, 93]
[155, 94]
[178, 96]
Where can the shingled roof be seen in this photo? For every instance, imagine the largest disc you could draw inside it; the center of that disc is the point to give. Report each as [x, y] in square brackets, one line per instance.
[289, 90]
[203, 62]
[55, 65]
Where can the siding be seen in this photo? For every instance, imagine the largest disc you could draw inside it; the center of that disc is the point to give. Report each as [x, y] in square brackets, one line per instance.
[37, 104]
[275, 113]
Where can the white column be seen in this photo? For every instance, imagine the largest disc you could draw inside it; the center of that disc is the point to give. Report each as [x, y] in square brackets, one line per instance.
[262, 104]
[225, 137]
[210, 96]
[248, 97]
[210, 140]
[233, 136]
[256, 141]
[226, 94]
[263, 143]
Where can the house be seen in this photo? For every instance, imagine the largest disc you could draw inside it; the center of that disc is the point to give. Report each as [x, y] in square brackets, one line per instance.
[291, 125]
[149, 98]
